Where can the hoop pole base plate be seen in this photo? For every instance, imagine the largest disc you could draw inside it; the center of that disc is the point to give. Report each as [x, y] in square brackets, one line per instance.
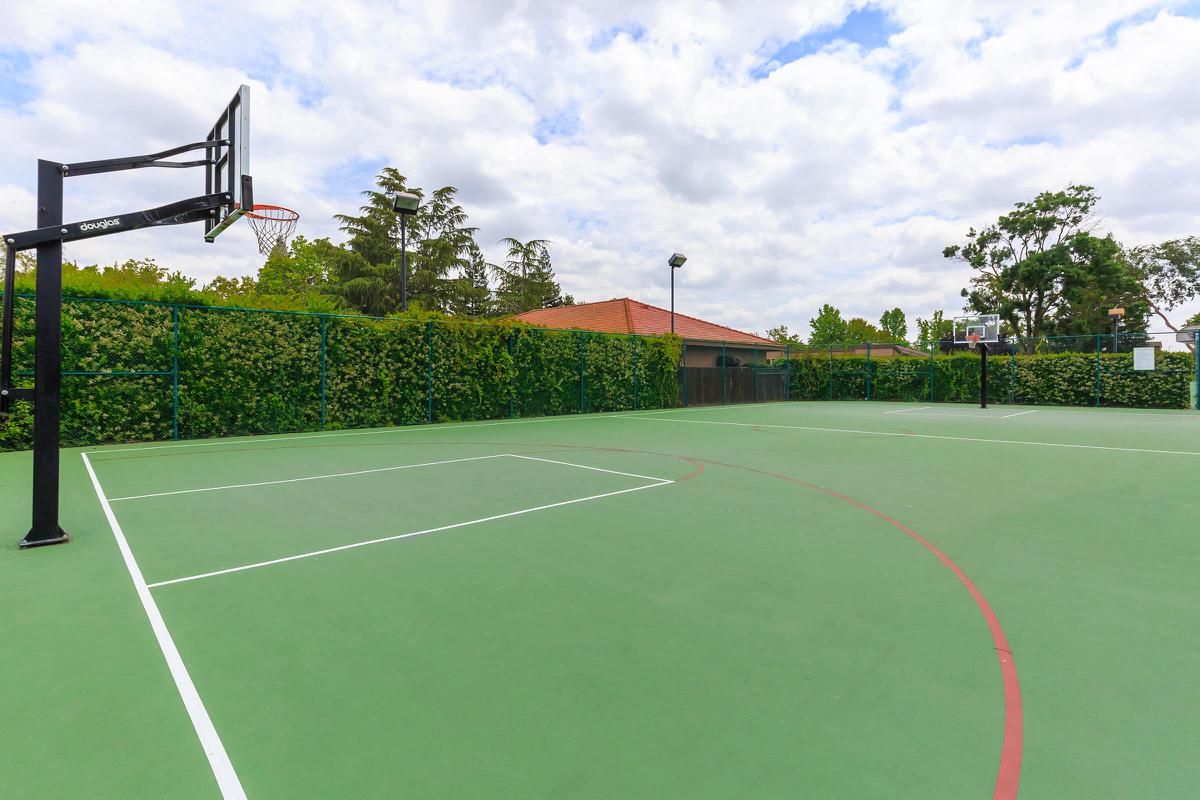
[62, 538]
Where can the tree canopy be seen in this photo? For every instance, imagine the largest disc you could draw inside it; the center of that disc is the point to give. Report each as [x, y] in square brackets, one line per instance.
[1044, 271]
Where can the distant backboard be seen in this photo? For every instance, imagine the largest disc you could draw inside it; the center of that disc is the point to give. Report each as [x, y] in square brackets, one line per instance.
[229, 169]
[977, 329]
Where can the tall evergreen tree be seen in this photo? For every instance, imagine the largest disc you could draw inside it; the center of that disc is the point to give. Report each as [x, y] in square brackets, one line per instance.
[526, 278]
[470, 294]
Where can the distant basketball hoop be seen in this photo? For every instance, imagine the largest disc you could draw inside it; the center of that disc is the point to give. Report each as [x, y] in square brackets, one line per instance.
[272, 225]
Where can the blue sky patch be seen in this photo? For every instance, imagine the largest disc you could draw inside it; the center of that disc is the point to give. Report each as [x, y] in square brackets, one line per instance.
[15, 87]
[868, 27]
[606, 37]
[351, 177]
[562, 125]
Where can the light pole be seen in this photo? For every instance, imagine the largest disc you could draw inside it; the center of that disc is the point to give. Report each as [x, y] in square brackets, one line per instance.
[405, 204]
[1115, 315]
[676, 261]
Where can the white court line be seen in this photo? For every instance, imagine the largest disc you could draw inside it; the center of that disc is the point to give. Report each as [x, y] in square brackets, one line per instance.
[1019, 413]
[400, 536]
[922, 436]
[441, 426]
[307, 478]
[218, 759]
[959, 414]
[596, 469]
[906, 410]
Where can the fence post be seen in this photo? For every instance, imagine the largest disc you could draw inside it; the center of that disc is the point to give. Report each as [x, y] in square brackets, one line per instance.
[1196, 361]
[581, 372]
[724, 380]
[324, 320]
[512, 368]
[429, 374]
[1097, 370]
[756, 397]
[175, 373]
[787, 373]
[830, 372]
[932, 373]
[637, 346]
[1012, 373]
[868, 370]
[685, 376]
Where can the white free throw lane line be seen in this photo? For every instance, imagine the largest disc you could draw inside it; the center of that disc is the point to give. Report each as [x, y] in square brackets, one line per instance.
[1019, 413]
[906, 410]
[307, 478]
[400, 536]
[594, 469]
[218, 759]
[921, 436]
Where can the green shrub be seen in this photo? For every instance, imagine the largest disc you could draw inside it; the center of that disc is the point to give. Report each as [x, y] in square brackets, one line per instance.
[1080, 379]
[243, 372]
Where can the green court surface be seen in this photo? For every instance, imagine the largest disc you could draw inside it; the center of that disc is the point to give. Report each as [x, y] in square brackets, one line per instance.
[824, 600]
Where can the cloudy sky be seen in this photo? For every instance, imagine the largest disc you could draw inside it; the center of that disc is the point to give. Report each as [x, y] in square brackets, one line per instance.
[798, 152]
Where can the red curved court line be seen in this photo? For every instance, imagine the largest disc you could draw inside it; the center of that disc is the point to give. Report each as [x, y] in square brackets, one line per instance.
[1008, 776]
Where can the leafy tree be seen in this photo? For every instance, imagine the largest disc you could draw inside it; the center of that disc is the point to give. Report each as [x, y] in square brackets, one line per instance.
[859, 331]
[781, 335]
[1041, 268]
[526, 278]
[933, 330]
[827, 327]
[1170, 274]
[895, 325]
[303, 267]
[230, 290]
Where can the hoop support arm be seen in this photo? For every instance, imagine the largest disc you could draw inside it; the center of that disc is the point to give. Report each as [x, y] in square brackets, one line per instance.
[140, 162]
[194, 209]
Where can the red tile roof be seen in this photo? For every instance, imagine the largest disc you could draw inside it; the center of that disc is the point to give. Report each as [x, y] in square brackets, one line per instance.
[623, 315]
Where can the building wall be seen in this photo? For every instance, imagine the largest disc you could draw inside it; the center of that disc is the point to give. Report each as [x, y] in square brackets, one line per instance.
[704, 354]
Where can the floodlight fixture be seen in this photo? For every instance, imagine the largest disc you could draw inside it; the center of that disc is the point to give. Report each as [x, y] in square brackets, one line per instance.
[677, 260]
[406, 203]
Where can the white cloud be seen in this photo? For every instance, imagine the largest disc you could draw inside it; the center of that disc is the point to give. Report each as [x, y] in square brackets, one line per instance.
[623, 131]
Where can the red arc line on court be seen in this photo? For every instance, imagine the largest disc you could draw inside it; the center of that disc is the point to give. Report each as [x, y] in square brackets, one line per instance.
[1008, 776]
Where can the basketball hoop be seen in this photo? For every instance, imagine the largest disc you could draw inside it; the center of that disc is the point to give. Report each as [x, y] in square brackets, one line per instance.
[272, 225]
[973, 338]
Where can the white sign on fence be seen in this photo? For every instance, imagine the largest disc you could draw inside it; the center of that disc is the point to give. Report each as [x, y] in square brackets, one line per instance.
[1143, 358]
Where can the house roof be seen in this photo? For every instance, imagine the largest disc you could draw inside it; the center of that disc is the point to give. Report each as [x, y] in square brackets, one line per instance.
[625, 315]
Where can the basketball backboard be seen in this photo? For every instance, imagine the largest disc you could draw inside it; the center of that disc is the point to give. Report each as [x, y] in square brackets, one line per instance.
[977, 329]
[228, 170]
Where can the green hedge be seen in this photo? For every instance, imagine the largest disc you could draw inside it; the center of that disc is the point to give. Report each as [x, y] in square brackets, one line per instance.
[228, 372]
[1080, 379]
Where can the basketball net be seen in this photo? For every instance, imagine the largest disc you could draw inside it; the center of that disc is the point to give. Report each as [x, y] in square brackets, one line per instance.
[272, 225]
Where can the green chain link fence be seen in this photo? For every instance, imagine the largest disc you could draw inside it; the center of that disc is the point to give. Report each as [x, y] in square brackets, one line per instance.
[1090, 370]
[141, 371]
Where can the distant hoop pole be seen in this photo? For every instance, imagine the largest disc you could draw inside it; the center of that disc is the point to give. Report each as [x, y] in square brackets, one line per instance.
[983, 351]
